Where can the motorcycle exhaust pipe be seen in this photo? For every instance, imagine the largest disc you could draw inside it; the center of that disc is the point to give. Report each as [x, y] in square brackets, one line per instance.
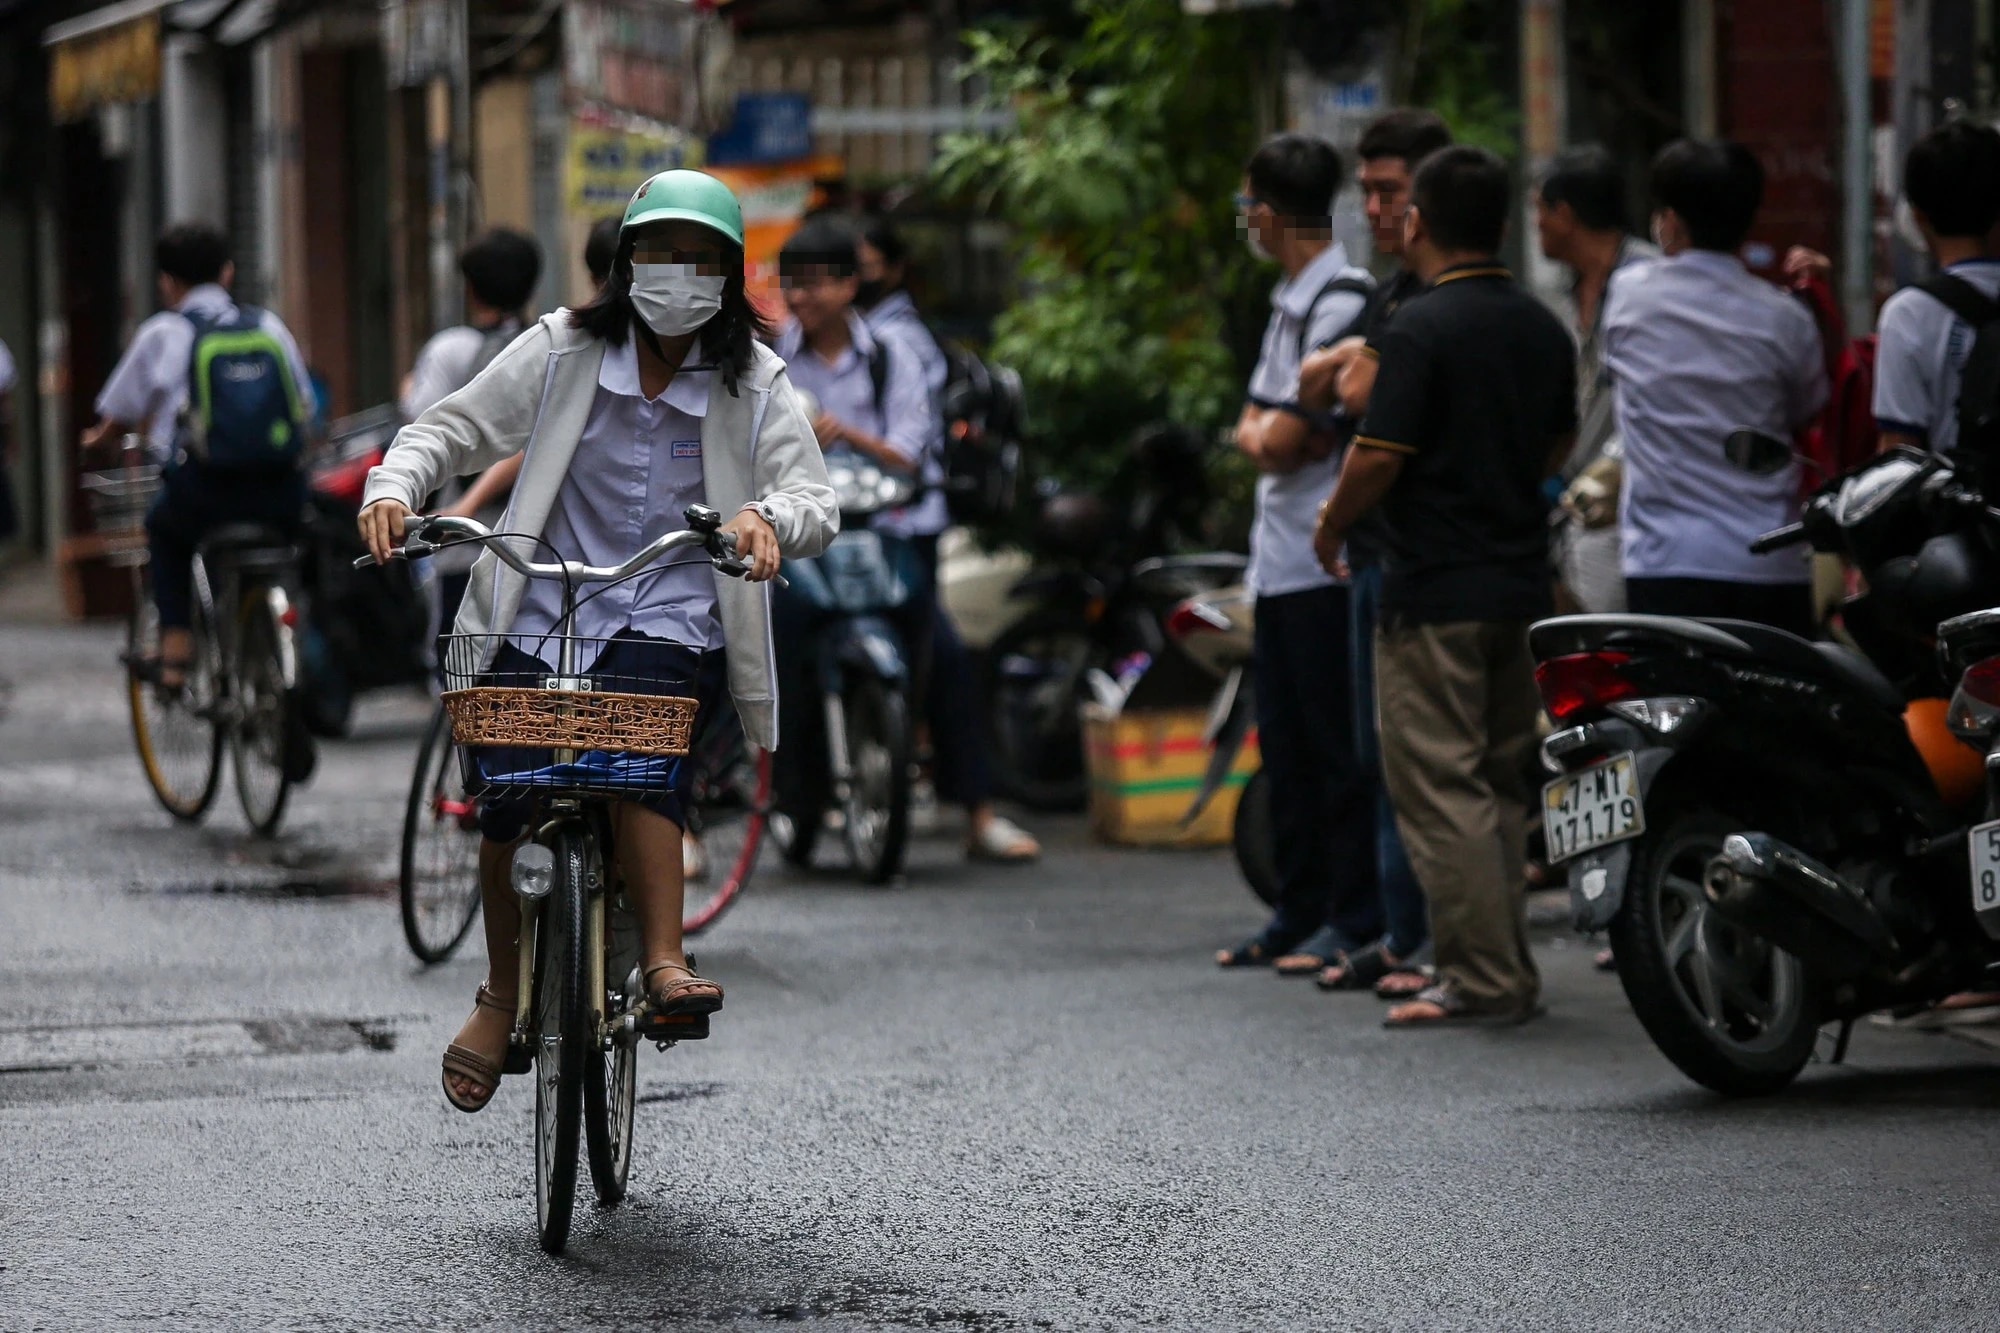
[1800, 905]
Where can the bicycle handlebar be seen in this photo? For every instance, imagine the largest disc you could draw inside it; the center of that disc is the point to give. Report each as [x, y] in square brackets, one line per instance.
[702, 530]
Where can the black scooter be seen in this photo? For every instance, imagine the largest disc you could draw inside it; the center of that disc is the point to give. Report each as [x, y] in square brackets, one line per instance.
[1745, 811]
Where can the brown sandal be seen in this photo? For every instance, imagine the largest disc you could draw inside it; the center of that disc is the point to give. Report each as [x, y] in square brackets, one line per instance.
[690, 994]
[470, 1064]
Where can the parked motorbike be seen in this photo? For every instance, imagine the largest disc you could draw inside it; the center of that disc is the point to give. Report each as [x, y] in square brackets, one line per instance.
[847, 724]
[1216, 630]
[368, 628]
[1101, 599]
[1769, 828]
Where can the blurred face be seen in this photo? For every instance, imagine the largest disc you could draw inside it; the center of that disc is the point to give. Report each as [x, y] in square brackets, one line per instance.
[688, 245]
[819, 298]
[1669, 232]
[1385, 196]
[1555, 227]
[879, 277]
[1256, 222]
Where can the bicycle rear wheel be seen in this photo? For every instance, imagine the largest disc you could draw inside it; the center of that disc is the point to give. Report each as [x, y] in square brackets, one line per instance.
[562, 1038]
[440, 859]
[611, 1088]
[727, 814]
[178, 738]
[263, 715]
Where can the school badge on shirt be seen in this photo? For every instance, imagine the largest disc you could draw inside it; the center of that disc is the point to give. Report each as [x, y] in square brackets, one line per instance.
[687, 449]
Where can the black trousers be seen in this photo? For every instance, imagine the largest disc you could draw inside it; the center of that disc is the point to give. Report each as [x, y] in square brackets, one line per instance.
[1786, 606]
[1322, 798]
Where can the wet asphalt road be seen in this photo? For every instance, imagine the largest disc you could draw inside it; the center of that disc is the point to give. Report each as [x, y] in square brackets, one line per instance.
[985, 1100]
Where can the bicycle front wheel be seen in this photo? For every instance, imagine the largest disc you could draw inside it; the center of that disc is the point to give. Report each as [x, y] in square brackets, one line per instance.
[563, 1038]
[263, 714]
[176, 732]
[440, 861]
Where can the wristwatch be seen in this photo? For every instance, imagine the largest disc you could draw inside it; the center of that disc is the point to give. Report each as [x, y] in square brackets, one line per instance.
[762, 509]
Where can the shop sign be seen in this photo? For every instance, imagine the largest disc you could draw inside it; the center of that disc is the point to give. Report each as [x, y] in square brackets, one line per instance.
[767, 127]
[608, 161]
[775, 200]
[115, 64]
[636, 58]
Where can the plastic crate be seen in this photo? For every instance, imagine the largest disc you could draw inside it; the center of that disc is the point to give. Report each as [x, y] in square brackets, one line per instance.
[1145, 768]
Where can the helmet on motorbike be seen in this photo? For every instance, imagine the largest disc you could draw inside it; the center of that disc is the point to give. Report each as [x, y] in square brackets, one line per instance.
[685, 196]
[1073, 523]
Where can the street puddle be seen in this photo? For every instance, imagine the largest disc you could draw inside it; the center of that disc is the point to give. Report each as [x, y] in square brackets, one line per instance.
[54, 1048]
[684, 1092]
[280, 887]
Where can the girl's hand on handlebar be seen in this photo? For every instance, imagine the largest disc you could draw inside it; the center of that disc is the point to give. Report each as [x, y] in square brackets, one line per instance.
[756, 543]
[382, 525]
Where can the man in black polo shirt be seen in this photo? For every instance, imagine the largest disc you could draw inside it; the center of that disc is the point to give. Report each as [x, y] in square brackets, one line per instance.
[1473, 406]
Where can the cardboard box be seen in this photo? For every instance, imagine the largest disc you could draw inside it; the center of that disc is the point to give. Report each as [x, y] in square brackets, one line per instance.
[1145, 768]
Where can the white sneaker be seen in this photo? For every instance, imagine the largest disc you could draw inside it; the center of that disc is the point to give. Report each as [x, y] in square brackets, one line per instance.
[924, 810]
[1002, 840]
[694, 861]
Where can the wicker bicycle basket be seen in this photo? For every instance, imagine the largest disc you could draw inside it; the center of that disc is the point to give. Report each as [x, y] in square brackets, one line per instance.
[643, 724]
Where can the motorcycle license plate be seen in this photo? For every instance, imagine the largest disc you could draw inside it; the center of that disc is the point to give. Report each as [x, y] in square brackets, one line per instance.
[1592, 807]
[1984, 844]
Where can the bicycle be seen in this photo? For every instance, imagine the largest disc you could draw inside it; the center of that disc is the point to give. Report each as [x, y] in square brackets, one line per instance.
[239, 691]
[728, 809]
[582, 1009]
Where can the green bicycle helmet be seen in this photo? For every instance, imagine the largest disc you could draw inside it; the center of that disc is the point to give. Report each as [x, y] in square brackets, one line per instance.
[685, 196]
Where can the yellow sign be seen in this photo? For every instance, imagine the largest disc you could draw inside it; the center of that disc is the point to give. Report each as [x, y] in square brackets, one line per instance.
[607, 163]
[117, 64]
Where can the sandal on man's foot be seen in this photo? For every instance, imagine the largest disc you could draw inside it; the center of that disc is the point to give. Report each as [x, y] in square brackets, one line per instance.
[1405, 982]
[471, 1065]
[1443, 1006]
[680, 990]
[1320, 950]
[1260, 950]
[1359, 970]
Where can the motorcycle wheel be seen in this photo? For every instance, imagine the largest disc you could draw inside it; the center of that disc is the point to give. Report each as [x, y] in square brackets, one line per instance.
[1252, 839]
[1734, 1012]
[1034, 683]
[878, 800]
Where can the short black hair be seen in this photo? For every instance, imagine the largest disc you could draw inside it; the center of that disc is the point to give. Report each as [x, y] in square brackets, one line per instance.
[1407, 132]
[885, 240]
[1464, 194]
[1587, 178]
[502, 268]
[1952, 175]
[1715, 185]
[192, 253]
[1296, 174]
[823, 242]
[602, 247]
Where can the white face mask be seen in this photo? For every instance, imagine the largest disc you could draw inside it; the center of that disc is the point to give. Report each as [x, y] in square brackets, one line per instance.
[1257, 250]
[673, 299]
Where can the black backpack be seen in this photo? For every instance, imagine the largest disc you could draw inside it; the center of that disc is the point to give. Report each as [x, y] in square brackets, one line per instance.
[983, 408]
[1979, 386]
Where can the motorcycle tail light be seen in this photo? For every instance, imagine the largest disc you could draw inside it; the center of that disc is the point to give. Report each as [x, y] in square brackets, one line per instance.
[1578, 683]
[1195, 617]
[1974, 715]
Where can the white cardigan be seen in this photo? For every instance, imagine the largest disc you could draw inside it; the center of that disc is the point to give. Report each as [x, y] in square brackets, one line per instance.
[756, 444]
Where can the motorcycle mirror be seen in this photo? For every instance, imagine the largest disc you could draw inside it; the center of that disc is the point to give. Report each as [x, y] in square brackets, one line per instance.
[1758, 454]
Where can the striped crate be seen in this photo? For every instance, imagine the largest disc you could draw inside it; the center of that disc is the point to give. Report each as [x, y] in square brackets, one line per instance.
[1145, 768]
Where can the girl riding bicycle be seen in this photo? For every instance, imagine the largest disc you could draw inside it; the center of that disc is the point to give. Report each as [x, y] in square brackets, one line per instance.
[656, 395]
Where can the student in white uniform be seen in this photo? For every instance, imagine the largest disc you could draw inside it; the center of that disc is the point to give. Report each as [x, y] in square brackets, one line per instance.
[1322, 815]
[1951, 178]
[1697, 348]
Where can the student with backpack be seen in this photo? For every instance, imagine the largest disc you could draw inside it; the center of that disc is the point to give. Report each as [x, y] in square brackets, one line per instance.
[874, 399]
[500, 269]
[1940, 338]
[219, 390]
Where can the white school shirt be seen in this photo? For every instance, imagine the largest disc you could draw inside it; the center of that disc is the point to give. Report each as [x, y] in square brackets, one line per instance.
[1698, 347]
[1281, 551]
[446, 364]
[7, 371]
[637, 467]
[844, 387]
[895, 316]
[1920, 353]
[149, 385]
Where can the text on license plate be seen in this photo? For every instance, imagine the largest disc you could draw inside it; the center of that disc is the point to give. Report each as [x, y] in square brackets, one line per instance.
[1984, 844]
[1592, 807]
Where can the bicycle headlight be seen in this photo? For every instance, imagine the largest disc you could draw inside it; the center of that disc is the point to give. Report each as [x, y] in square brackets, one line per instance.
[534, 870]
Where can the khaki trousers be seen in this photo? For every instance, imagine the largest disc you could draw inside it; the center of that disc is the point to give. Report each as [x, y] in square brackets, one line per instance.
[1457, 704]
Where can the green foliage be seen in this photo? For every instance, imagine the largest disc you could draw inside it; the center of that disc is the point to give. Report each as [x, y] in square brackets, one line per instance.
[1117, 182]
[1452, 63]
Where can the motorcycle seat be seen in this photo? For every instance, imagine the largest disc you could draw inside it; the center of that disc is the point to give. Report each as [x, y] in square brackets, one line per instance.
[248, 544]
[1824, 659]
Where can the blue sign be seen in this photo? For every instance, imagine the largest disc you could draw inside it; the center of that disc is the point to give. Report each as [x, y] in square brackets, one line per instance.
[768, 127]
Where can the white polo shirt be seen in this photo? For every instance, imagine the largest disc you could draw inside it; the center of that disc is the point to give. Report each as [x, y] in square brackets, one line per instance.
[1920, 353]
[1281, 552]
[1697, 348]
[149, 386]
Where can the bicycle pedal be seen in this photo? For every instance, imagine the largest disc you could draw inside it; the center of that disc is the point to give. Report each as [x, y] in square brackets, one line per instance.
[520, 1058]
[674, 1027]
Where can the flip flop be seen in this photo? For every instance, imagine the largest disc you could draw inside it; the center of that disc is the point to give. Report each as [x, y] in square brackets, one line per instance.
[1358, 971]
[1320, 950]
[1441, 1007]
